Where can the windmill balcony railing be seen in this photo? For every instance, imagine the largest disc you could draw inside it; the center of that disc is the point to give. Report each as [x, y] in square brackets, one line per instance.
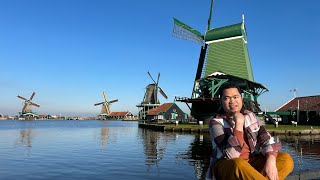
[207, 87]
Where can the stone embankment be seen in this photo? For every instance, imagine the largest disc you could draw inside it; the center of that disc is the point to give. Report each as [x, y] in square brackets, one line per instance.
[295, 132]
[163, 128]
[310, 174]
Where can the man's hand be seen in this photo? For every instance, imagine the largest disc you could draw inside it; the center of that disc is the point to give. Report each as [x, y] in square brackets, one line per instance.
[271, 169]
[238, 118]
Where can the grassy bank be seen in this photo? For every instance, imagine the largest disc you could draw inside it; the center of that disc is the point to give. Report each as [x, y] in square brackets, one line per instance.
[290, 127]
[185, 126]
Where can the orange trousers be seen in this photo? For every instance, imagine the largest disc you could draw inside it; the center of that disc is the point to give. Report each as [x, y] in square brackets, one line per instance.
[238, 168]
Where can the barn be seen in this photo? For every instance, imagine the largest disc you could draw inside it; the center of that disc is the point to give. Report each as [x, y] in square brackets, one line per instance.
[304, 110]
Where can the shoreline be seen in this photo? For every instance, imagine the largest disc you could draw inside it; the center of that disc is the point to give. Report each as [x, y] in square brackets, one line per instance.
[164, 128]
[308, 174]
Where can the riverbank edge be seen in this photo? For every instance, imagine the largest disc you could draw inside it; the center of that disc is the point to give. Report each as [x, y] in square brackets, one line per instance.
[164, 128]
[308, 174]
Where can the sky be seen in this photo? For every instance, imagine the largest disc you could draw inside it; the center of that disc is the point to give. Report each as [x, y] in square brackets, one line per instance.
[70, 51]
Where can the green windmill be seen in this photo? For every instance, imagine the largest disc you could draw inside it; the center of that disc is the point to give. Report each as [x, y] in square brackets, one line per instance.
[223, 58]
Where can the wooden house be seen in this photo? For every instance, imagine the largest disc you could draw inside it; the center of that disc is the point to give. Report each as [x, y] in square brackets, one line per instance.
[166, 112]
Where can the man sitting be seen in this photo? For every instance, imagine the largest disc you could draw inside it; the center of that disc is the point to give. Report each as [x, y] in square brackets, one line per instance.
[242, 148]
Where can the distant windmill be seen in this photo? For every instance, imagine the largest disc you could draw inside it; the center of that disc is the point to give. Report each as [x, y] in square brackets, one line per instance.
[26, 110]
[105, 105]
[151, 99]
[151, 94]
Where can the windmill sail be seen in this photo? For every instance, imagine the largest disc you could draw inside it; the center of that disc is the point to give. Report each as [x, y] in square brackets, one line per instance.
[22, 98]
[25, 107]
[183, 31]
[163, 93]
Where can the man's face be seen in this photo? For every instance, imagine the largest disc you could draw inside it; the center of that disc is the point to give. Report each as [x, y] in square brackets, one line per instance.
[231, 100]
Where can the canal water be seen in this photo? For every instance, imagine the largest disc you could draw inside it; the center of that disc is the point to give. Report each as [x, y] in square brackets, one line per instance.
[95, 149]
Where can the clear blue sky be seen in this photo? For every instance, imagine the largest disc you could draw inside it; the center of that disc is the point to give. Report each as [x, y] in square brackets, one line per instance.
[69, 51]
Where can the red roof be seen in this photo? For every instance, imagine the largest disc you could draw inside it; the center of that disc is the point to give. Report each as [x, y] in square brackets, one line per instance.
[118, 113]
[310, 103]
[163, 108]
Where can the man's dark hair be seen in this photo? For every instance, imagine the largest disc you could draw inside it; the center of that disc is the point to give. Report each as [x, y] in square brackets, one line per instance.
[228, 86]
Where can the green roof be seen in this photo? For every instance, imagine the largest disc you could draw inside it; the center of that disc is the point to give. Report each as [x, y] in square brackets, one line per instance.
[229, 56]
[224, 32]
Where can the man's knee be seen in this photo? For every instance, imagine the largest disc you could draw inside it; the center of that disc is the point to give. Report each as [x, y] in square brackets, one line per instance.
[286, 159]
[229, 168]
[285, 156]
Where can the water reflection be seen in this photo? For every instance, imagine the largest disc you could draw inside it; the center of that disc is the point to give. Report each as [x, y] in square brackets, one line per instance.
[198, 154]
[25, 140]
[154, 147]
[305, 151]
[195, 152]
[26, 137]
[104, 135]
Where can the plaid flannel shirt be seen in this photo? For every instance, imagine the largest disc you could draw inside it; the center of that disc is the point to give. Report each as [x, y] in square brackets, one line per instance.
[226, 145]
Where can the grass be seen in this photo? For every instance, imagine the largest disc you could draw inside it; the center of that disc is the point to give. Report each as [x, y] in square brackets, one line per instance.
[290, 127]
[186, 126]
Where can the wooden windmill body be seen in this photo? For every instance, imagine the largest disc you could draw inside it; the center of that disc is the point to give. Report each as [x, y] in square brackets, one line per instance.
[151, 99]
[105, 106]
[26, 111]
[224, 57]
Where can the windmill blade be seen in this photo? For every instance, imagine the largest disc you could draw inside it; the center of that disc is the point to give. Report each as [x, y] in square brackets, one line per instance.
[158, 78]
[22, 98]
[24, 107]
[98, 103]
[116, 100]
[183, 31]
[34, 104]
[105, 96]
[152, 77]
[107, 109]
[31, 97]
[163, 94]
[156, 89]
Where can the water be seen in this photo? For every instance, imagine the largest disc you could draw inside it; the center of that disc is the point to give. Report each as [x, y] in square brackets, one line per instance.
[95, 149]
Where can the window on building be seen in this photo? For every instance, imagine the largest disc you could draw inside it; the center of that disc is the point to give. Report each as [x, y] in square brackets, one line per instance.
[174, 115]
